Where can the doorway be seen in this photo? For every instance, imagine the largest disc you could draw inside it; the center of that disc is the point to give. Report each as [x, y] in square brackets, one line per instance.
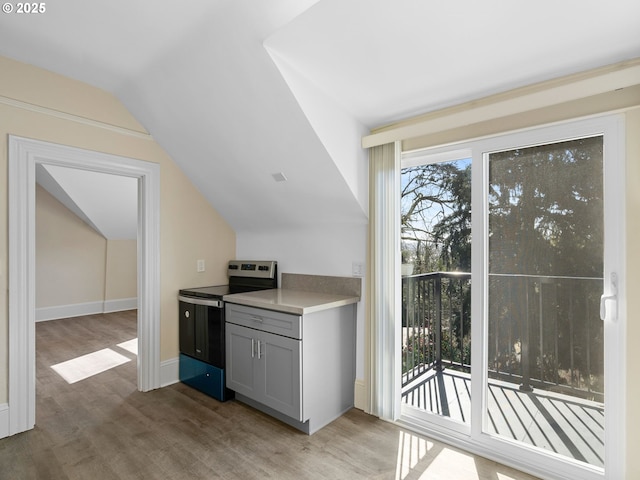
[24, 156]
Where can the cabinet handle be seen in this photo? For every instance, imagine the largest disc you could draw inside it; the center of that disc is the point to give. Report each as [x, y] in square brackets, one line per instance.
[257, 318]
[259, 352]
[253, 347]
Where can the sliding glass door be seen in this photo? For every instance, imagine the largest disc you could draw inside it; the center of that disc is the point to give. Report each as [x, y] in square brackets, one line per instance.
[520, 365]
[545, 258]
[436, 285]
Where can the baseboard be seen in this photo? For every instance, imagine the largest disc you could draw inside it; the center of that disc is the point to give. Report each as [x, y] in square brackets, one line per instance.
[67, 311]
[4, 420]
[120, 305]
[360, 395]
[90, 308]
[169, 372]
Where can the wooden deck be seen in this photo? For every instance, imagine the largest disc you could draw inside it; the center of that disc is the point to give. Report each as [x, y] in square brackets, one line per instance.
[564, 424]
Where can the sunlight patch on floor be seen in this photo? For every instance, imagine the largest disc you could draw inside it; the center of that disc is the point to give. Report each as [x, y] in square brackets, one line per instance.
[130, 346]
[412, 449]
[423, 459]
[88, 365]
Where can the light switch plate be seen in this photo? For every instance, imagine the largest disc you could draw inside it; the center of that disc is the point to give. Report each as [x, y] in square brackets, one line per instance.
[200, 266]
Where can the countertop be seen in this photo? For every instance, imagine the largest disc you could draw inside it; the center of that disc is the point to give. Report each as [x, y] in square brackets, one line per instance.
[298, 302]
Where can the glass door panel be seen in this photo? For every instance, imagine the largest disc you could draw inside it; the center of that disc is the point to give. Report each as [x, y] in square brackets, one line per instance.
[436, 288]
[545, 345]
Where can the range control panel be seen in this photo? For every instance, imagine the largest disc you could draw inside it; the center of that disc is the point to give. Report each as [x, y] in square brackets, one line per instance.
[257, 269]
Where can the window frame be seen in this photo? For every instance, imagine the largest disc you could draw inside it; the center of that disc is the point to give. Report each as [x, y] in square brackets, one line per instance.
[612, 127]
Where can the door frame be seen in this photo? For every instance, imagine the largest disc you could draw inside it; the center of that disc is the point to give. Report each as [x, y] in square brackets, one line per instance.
[24, 155]
[612, 127]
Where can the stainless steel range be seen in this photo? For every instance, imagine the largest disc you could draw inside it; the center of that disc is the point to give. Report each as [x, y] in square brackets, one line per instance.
[202, 324]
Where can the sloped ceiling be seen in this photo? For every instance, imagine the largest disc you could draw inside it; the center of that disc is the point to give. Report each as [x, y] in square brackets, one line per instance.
[107, 203]
[239, 90]
[388, 60]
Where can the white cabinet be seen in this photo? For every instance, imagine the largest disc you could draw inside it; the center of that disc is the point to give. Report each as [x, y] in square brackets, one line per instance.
[298, 368]
[265, 367]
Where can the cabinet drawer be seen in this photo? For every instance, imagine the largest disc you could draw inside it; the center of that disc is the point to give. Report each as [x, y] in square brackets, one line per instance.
[279, 323]
[204, 377]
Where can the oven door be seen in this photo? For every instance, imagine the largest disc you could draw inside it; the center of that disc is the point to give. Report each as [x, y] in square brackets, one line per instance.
[202, 329]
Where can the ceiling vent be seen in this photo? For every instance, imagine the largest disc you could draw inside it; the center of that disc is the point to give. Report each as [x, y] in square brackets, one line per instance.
[279, 177]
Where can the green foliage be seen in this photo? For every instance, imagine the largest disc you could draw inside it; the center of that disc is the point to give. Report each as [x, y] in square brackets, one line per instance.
[417, 350]
[545, 238]
[451, 351]
[545, 209]
[436, 216]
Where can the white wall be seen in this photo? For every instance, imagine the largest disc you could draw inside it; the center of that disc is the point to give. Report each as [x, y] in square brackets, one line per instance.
[338, 130]
[121, 275]
[313, 250]
[78, 271]
[70, 256]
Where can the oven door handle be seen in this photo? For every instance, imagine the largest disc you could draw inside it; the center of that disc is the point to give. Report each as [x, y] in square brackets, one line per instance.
[201, 301]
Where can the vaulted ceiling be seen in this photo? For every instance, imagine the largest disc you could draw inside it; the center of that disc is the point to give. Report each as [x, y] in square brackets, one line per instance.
[237, 91]
[108, 203]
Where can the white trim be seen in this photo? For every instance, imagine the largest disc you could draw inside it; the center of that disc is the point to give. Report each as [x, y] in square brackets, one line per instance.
[24, 155]
[67, 311]
[524, 99]
[120, 304]
[89, 308]
[12, 102]
[4, 420]
[21, 289]
[360, 394]
[418, 157]
[616, 320]
[502, 452]
[169, 372]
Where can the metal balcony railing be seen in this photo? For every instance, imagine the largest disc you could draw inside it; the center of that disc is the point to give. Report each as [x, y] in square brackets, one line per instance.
[436, 323]
[544, 331]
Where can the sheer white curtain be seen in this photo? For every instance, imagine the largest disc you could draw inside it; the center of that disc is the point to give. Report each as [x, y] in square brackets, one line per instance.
[382, 362]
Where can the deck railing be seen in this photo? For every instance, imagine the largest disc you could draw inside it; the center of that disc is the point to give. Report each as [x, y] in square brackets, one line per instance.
[436, 322]
[544, 331]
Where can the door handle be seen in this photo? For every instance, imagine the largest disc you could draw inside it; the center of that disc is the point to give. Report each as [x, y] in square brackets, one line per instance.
[253, 348]
[612, 297]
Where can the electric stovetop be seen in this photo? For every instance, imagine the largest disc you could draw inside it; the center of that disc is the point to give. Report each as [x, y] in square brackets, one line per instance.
[213, 292]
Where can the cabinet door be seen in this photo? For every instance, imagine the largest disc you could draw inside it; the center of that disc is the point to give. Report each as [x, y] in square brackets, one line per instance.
[241, 364]
[280, 364]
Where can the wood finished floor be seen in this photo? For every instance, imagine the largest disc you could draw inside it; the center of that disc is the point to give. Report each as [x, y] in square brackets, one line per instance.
[103, 428]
